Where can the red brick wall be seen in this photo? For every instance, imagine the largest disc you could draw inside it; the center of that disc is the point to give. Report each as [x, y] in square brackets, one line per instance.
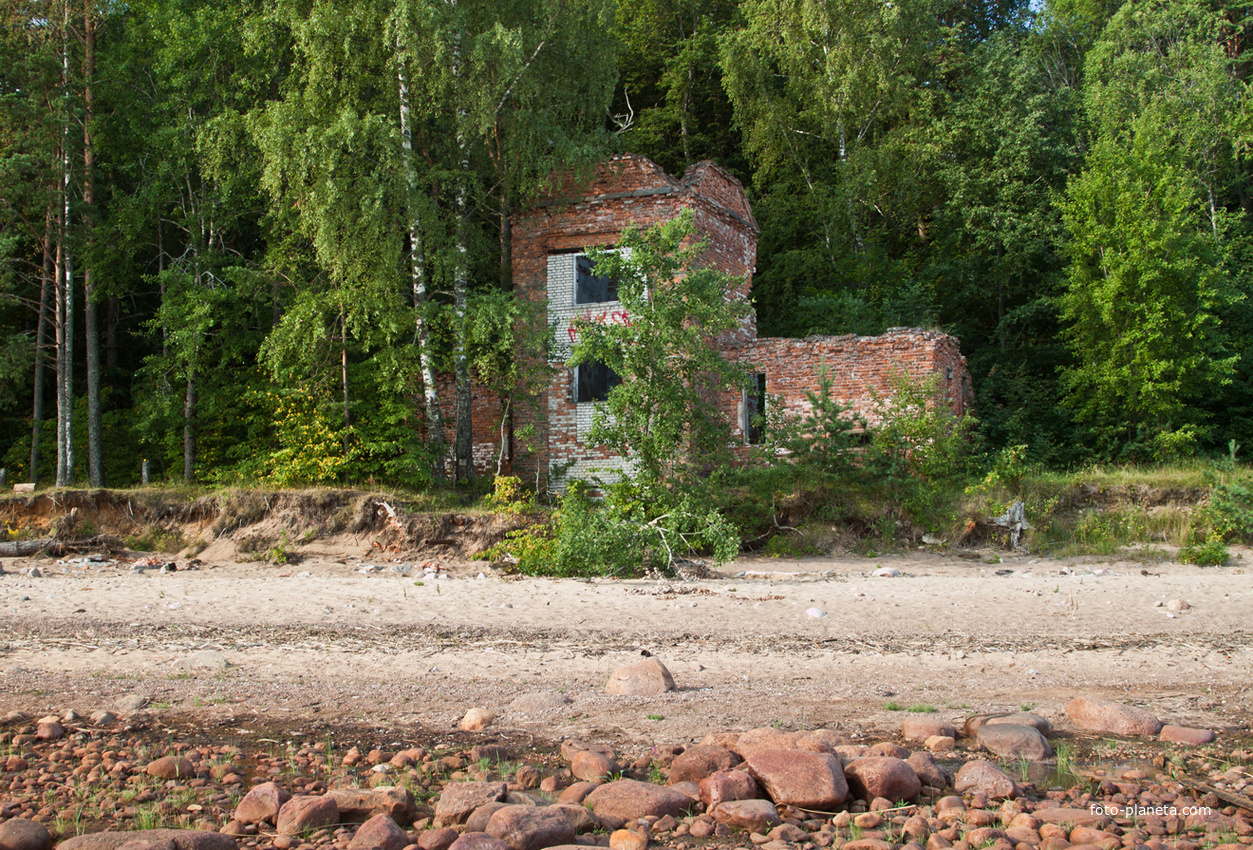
[859, 366]
[485, 418]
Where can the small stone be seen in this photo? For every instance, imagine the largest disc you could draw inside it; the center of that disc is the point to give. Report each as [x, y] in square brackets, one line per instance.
[1177, 605]
[887, 572]
[647, 678]
[478, 719]
[816, 613]
[625, 839]
[102, 717]
[49, 728]
[171, 767]
[940, 744]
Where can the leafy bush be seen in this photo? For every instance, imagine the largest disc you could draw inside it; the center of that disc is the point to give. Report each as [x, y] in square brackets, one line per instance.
[1230, 510]
[584, 538]
[1212, 553]
[919, 450]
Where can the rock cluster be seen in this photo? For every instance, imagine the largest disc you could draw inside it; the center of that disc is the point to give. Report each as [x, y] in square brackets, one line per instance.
[772, 788]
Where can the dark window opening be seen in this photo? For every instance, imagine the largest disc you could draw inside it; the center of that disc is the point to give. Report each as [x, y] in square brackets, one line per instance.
[594, 381]
[590, 288]
[754, 424]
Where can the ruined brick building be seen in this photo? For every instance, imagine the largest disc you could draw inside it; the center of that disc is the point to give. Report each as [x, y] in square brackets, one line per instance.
[550, 267]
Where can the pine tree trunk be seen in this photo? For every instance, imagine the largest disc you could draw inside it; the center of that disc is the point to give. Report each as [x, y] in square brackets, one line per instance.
[41, 347]
[111, 317]
[417, 270]
[65, 423]
[189, 427]
[95, 431]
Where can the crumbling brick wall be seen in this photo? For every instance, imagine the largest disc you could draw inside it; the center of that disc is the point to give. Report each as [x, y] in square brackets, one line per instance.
[859, 367]
[593, 209]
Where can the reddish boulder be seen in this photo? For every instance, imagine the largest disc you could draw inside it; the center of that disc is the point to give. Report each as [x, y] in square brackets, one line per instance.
[1011, 741]
[647, 678]
[458, 800]
[976, 776]
[261, 804]
[800, 778]
[616, 803]
[379, 833]
[882, 776]
[440, 838]
[171, 767]
[752, 815]
[695, 763]
[727, 785]
[306, 813]
[1111, 718]
[1185, 735]
[530, 828]
[478, 841]
[24, 834]
[922, 728]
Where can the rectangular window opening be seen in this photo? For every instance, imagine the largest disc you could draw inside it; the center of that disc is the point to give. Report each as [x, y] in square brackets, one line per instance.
[594, 381]
[754, 424]
[589, 288]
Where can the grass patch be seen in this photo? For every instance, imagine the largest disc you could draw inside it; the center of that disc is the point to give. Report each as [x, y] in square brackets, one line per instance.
[921, 708]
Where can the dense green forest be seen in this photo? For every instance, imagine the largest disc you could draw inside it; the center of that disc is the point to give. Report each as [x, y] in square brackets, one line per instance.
[236, 236]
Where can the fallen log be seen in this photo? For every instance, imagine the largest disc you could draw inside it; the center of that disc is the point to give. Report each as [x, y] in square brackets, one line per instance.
[18, 548]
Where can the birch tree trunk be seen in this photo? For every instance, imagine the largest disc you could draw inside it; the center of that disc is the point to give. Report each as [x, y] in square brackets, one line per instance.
[417, 270]
[463, 443]
[65, 406]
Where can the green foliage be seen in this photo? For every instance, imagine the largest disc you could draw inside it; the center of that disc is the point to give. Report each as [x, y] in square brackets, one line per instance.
[661, 417]
[826, 439]
[1212, 553]
[510, 495]
[586, 538]
[1148, 282]
[919, 450]
[1230, 510]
